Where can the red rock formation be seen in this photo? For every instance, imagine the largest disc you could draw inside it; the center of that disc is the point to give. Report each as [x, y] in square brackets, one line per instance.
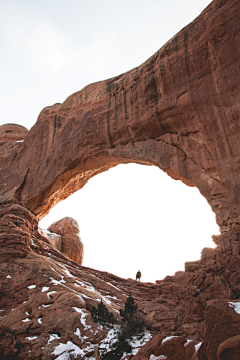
[178, 111]
[55, 239]
[170, 347]
[72, 244]
[222, 330]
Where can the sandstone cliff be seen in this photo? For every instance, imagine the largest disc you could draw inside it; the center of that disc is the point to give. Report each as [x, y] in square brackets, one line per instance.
[179, 111]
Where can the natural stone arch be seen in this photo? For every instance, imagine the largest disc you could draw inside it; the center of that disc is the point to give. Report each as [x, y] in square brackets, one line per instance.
[179, 111]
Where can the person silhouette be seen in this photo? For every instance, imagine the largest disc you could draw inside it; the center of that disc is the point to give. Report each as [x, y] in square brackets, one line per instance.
[138, 275]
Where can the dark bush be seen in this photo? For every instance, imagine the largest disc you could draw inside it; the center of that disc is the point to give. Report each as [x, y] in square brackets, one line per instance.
[129, 309]
[133, 324]
[101, 314]
[120, 347]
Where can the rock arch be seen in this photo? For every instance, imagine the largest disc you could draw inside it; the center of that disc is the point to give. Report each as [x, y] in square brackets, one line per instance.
[179, 111]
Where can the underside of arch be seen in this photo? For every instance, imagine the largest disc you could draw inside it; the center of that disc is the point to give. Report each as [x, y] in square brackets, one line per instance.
[179, 111]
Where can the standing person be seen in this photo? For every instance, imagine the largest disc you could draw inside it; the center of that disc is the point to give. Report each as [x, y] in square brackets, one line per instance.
[138, 275]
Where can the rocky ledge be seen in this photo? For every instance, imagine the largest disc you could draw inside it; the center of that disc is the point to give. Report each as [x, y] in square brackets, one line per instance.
[178, 111]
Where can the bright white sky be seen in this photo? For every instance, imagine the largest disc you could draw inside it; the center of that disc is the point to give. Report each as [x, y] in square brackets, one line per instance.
[131, 217]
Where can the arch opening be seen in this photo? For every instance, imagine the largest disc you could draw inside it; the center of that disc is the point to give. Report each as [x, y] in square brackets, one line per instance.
[136, 216]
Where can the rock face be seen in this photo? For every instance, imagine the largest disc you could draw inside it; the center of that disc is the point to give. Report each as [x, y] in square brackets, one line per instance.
[222, 330]
[170, 347]
[46, 300]
[179, 111]
[72, 244]
[55, 239]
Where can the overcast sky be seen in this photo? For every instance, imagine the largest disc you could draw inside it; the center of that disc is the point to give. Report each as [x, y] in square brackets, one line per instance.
[132, 216]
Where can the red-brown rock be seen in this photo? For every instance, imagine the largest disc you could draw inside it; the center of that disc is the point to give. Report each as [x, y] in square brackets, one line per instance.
[55, 239]
[174, 348]
[179, 111]
[222, 327]
[72, 245]
[229, 349]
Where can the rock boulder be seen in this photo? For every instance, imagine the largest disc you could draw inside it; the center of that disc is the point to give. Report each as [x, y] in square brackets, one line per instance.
[72, 245]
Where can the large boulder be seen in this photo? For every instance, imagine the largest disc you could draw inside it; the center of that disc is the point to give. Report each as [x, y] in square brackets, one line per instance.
[222, 330]
[168, 347]
[72, 245]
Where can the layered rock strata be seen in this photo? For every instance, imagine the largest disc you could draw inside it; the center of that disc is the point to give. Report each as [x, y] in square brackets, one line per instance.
[179, 111]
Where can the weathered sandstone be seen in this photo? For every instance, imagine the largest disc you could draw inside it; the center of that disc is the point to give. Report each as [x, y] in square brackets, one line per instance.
[55, 239]
[72, 245]
[179, 111]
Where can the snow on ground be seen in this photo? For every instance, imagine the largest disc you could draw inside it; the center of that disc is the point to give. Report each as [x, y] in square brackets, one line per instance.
[50, 293]
[138, 341]
[30, 338]
[168, 338]
[78, 334]
[110, 338]
[197, 347]
[25, 320]
[161, 357]
[45, 288]
[53, 337]
[187, 342]
[83, 317]
[236, 306]
[64, 350]
[32, 287]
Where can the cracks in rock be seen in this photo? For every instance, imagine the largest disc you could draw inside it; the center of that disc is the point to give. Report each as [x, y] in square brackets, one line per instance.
[21, 186]
[184, 92]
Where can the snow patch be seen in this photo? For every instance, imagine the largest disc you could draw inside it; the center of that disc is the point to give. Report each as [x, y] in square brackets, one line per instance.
[139, 340]
[53, 337]
[25, 320]
[168, 338]
[31, 287]
[39, 320]
[78, 334]
[8, 277]
[236, 306]
[64, 350]
[67, 272]
[30, 338]
[197, 347]
[45, 288]
[161, 357]
[50, 293]
[187, 342]
[77, 309]
[110, 338]
[83, 317]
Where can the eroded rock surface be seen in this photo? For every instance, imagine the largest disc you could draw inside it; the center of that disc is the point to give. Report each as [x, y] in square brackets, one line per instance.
[72, 245]
[46, 298]
[179, 111]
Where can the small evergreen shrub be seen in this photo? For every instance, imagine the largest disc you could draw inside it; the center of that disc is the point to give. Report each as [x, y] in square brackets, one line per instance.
[129, 309]
[133, 324]
[120, 347]
[101, 314]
